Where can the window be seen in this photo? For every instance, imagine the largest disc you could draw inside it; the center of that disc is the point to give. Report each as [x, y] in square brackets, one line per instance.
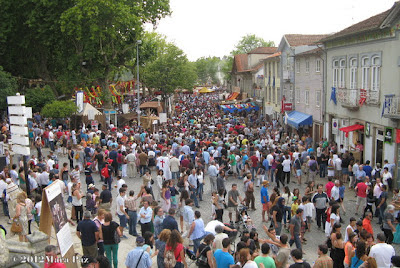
[335, 74]
[318, 66]
[307, 97]
[365, 73]
[291, 95]
[274, 95]
[278, 70]
[353, 73]
[307, 66]
[375, 73]
[318, 98]
[297, 95]
[269, 94]
[342, 74]
[298, 66]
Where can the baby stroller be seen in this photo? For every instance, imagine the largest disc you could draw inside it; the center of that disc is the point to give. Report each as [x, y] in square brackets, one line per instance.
[190, 255]
[245, 222]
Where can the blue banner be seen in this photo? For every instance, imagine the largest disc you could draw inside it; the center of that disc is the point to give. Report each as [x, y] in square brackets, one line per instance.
[333, 95]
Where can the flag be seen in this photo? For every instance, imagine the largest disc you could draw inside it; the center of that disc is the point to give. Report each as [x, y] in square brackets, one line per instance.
[397, 135]
[333, 95]
[363, 97]
[273, 82]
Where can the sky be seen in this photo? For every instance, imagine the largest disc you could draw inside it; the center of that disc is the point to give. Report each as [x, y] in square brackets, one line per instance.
[213, 27]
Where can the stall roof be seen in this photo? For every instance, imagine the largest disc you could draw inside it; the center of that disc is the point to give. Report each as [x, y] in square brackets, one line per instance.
[297, 119]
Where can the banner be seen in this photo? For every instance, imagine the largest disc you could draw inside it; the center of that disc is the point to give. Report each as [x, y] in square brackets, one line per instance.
[333, 95]
[79, 101]
[363, 96]
[335, 126]
[397, 135]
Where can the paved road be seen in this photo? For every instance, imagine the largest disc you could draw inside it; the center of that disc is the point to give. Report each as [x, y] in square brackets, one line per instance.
[314, 238]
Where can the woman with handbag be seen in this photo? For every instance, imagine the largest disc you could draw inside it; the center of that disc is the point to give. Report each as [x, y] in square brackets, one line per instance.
[77, 201]
[204, 256]
[111, 235]
[20, 220]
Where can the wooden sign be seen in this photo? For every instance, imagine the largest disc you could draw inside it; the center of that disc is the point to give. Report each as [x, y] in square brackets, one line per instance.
[53, 214]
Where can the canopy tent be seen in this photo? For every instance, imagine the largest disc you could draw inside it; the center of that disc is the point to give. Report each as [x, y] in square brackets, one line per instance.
[205, 90]
[351, 128]
[233, 96]
[240, 107]
[152, 105]
[89, 109]
[298, 119]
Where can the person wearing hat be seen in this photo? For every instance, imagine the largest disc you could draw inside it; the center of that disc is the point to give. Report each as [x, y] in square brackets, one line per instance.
[265, 199]
[88, 175]
[138, 257]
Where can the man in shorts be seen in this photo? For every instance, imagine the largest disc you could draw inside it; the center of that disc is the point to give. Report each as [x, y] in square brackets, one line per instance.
[233, 196]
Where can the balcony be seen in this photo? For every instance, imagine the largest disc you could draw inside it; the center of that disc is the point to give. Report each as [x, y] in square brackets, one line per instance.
[349, 98]
[286, 75]
[391, 107]
[372, 97]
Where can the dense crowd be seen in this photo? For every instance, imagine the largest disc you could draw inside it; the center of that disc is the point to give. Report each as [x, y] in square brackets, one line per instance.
[191, 158]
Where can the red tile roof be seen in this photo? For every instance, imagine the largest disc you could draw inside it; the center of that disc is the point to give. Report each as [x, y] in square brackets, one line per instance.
[240, 62]
[263, 50]
[312, 51]
[277, 54]
[295, 40]
[370, 24]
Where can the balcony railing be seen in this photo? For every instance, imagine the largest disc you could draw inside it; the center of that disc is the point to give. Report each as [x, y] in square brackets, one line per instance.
[391, 107]
[349, 98]
[372, 97]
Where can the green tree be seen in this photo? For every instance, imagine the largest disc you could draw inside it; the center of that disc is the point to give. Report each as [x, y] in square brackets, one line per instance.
[249, 42]
[59, 109]
[207, 69]
[8, 87]
[73, 42]
[37, 98]
[170, 70]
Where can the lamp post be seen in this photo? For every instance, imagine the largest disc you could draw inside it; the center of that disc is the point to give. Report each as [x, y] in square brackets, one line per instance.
[138, 42]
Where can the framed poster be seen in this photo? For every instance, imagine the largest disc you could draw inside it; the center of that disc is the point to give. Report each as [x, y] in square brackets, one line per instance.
[388, 135]
[367, 129]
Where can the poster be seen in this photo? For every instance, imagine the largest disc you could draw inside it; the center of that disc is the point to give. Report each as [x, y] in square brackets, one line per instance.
[388, 135]
[59, 216]
[163, 118]
[367, 129]
[79, 101]
[64, 239]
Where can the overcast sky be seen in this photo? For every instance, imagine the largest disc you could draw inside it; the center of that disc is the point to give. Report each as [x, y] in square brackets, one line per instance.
[213, 27]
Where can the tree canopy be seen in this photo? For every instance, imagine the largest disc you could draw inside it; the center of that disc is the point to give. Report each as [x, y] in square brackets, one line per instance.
[38, 97]
[249, 42]
[207, 69]
[70, 43]
[59, 109]
[8, 87]
[169, 69]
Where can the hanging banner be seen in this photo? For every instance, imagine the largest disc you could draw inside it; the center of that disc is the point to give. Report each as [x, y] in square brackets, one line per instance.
[363, 96]
[79, 101]
[335, 126]
[367, 129]
[397, 135]
[333, 95]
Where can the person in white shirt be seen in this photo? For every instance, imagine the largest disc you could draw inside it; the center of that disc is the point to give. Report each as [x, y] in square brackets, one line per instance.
[382, 252]
[335, 191]
[122, 215]
[120, 182]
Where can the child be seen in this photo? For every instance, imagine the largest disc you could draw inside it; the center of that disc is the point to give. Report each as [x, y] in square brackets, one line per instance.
[304, 219]
[247, 220]
[308, 211]
[295, 205]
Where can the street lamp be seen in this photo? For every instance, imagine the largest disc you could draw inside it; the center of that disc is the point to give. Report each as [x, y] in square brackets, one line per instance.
[138, 42]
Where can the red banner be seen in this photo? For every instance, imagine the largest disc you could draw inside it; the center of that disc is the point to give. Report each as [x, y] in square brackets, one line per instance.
[363, 96]
[397, 135]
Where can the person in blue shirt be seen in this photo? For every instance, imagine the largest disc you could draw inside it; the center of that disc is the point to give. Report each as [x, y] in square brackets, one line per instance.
[138, 258]
[264, 199]
[222, 256]
[367, 168]
[265, 164]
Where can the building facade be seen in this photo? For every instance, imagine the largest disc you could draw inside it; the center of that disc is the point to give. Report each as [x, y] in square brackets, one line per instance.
[363, 84]
[272, 82]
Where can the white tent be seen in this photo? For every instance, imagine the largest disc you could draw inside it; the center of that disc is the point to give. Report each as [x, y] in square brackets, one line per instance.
[90, 111]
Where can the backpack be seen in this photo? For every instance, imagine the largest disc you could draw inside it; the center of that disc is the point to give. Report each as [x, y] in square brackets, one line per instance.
[77, 155]
[169, 259]
[104, 172]
[313, 166]
[87, 152]
[377, 173]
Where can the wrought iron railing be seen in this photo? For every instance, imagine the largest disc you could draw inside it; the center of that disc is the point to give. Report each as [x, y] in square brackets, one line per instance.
[348, 97]
[391, 107]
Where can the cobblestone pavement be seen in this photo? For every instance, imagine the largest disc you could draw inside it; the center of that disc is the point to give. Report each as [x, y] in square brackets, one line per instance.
[314, 238]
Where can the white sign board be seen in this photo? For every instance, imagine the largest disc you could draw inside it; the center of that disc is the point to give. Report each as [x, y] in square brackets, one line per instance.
[16, 100]
[21, 111]
[18, 149]
[18, 120]
[21, 140]
[335, 126]
[163, 117]
[79, 101]
[18, 130]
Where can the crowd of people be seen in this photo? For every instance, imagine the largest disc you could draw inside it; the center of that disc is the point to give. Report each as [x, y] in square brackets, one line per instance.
[206, 162]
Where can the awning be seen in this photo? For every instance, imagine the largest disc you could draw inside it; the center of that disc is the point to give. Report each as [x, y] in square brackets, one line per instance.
[233, 96]
[297, 119]
[351, 128]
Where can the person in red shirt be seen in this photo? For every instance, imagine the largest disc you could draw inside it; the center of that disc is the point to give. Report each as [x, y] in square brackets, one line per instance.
[51, 259]
[367, 223]
[328, 187]
[361, 190]
[175, 243]
[254, 165]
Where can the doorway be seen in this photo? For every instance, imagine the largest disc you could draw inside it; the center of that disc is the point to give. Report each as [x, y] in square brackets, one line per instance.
[379, 152]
